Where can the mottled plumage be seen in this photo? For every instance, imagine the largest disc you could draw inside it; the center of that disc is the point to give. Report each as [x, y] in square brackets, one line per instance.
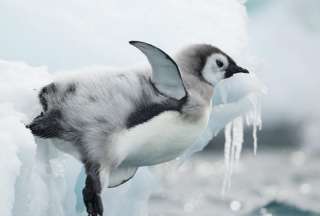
[116, 121]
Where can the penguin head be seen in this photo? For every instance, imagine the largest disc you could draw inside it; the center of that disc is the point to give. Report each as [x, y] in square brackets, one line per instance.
[209, 63]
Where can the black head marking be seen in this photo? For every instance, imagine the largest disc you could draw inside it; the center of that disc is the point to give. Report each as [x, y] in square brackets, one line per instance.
[219, 63]
[199, 54]
[233, 68]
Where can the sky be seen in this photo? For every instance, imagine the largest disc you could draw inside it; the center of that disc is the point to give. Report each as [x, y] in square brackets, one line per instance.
[78, 33]
[279, 38]
[285, 37]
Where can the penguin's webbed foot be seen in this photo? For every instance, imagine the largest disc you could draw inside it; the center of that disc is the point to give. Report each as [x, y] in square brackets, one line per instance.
[92, 202]
[91, 196]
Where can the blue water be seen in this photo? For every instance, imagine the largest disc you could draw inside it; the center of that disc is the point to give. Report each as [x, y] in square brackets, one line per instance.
[276, 208]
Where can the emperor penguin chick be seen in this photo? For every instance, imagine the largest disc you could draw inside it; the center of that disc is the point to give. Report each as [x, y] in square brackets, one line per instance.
[115, 122]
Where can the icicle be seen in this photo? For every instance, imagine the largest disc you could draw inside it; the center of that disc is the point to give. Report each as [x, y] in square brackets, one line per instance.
[227, 155]
[247, 120]
[237, 137]
[256, 121]
[255, 139]
[234, 139]
[233, 147]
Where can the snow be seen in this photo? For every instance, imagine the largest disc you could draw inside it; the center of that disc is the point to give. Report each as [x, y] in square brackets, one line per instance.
[12, 169]
[36, 178]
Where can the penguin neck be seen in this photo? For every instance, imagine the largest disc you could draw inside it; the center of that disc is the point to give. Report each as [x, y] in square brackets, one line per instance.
[190, 73]
[197, 88]
[200, 92]
[199, 98]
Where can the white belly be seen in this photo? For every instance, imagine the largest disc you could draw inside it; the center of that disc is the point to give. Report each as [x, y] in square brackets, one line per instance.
[161, 139]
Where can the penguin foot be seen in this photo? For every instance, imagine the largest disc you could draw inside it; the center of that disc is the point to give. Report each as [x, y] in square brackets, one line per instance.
[92, 202]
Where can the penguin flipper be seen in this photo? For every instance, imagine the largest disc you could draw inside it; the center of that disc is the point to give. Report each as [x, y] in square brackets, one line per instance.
[121, 175]
[166, 75]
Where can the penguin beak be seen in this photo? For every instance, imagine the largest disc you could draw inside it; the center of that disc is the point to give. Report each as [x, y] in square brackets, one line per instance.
[233, 69]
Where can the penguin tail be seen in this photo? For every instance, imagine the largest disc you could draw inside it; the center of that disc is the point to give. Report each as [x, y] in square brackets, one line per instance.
[46, 125]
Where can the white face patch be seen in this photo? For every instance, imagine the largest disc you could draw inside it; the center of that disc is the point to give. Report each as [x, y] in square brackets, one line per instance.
[214, 69]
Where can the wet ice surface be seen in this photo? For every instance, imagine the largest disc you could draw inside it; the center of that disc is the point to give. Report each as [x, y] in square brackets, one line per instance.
[269, 184]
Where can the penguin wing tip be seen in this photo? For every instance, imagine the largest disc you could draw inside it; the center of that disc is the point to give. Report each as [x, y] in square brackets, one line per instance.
[133, 42]
[141, 44]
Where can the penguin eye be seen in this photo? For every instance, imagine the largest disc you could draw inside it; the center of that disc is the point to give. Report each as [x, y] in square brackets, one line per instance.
[219, 63]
